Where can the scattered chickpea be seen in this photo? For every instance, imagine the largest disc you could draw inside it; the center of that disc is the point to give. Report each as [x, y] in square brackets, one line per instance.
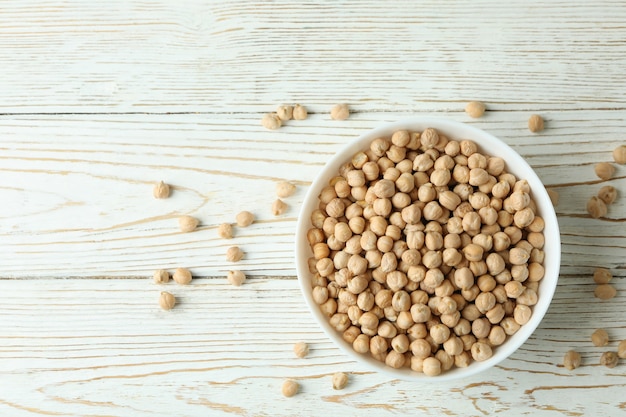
[600, 337]
[301, 349]
[340, 112]
[290, 388]
[161, 276]
[604, 170]
[244, 219]
[284, 112]
[225, 231]
[572, 360]
[340, 380]
[609, 359]
[619, 154]
[279, 207]
[236, 278]
[167, 301]
[608, 194]
[161, 190]
[182, 276]
[535, 123]
[621, 349]
[234, 254]
[271, 121]
[605, 291]
[602, 276]
[285, 189]
[475, 109]
[596, 208]
[187, 223]
[299, 112]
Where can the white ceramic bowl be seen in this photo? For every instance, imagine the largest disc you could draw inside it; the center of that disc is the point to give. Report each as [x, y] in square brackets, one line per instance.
[487, 144]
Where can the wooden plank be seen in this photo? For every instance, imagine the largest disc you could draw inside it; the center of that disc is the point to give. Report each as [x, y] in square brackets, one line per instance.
[83, 347]
[232, 56]
[77, 190]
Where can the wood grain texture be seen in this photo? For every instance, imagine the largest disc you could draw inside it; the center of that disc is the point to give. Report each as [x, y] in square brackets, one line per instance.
[100, 100]
[78, 189]
[85, 347]
[196, 56]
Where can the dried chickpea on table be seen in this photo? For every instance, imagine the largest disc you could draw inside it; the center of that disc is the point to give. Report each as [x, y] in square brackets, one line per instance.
[426, 252]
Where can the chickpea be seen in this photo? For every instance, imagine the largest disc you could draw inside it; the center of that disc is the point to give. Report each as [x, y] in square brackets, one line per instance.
[602, 276]
[462, 360]
[518, 256]
[572, 360]
[340, 380]
[514, 289]
[396, 280]
[378, 344]
[596, 207]
[468, 340]
[528, 297]
[523, 218]
[463, 327]
[167, 301]
[522, 314]
[394, 359]
[473, 252]
[299, 112]
[475, 109]
[400, 343]
[404, 320]
[446, 360]
[431, 366]
[471, 293]
[604, 170]
[609, 359]
[509, 325]
[365, 300]
[535, 123]
[401, 301]
[501, 189]
[329, 307]
[481, 351]
[361, 343]
[468, 147]
[433, 278]
[471, 222]
[600, 337]
[420, 313]
[350, 334]
[439, 333]
[619, 154]
[497, 336]
[481, 327]
[485, 301]
[290, 388]
[484, 241]
[604, 291]
[453, 346]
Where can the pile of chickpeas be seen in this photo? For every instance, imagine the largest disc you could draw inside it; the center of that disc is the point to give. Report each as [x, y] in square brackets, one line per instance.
[426, 253]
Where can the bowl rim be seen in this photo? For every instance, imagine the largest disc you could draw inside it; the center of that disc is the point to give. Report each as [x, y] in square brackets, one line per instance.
[487, 143]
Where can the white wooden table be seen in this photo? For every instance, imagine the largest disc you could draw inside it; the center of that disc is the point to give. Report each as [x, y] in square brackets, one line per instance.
[98, 100]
